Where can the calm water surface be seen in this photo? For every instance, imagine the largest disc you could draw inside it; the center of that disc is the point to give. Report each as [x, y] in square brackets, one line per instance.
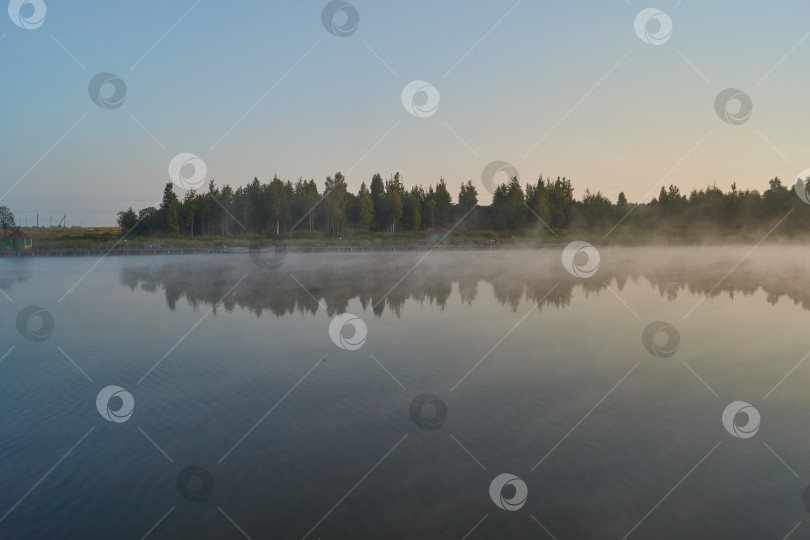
[544, 376]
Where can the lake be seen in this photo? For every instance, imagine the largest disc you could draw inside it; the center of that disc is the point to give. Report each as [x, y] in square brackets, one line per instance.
[661, 393]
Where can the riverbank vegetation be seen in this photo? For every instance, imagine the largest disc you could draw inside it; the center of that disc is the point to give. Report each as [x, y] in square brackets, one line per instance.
[386, 210]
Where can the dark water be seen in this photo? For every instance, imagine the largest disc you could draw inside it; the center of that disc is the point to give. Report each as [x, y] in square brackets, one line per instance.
[541, 374]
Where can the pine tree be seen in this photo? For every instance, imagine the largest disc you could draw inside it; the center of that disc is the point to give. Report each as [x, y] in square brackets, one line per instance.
[366, 214]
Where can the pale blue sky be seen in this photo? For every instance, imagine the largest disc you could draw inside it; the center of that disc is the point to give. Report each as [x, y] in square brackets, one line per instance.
[534, 76]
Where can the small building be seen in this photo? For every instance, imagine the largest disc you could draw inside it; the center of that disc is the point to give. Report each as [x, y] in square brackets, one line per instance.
[18, 240]
[437, 234]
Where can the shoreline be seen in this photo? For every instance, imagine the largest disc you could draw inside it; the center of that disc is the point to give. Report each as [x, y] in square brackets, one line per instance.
[314, 248]
[357, 248]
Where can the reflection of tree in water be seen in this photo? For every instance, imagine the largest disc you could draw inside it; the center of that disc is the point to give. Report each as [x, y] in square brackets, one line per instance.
[11, 277]
[380, 281]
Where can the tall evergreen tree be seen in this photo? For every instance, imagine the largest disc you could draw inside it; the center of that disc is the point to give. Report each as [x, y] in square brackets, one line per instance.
[170, 209]
[377, 189]
[366, 207]
[444, 204]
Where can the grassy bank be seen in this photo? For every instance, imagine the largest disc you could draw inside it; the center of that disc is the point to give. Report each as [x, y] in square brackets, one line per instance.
[51, 239]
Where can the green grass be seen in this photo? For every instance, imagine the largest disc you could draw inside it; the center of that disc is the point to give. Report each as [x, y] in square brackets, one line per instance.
[45, 239]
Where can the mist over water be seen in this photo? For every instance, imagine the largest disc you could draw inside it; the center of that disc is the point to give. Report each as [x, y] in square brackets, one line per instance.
[381, 281]
[540, 374]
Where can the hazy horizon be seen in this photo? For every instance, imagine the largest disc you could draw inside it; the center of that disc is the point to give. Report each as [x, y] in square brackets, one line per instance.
[564, 90]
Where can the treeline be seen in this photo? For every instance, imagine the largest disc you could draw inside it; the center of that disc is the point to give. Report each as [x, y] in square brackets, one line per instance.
[279, 207]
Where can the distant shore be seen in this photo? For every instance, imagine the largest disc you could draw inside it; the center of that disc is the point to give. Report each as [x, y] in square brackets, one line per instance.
[305, 248]
[286, 248]
[76, 241]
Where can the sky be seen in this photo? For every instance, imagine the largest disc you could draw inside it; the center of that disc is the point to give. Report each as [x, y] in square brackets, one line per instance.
[263, 88]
